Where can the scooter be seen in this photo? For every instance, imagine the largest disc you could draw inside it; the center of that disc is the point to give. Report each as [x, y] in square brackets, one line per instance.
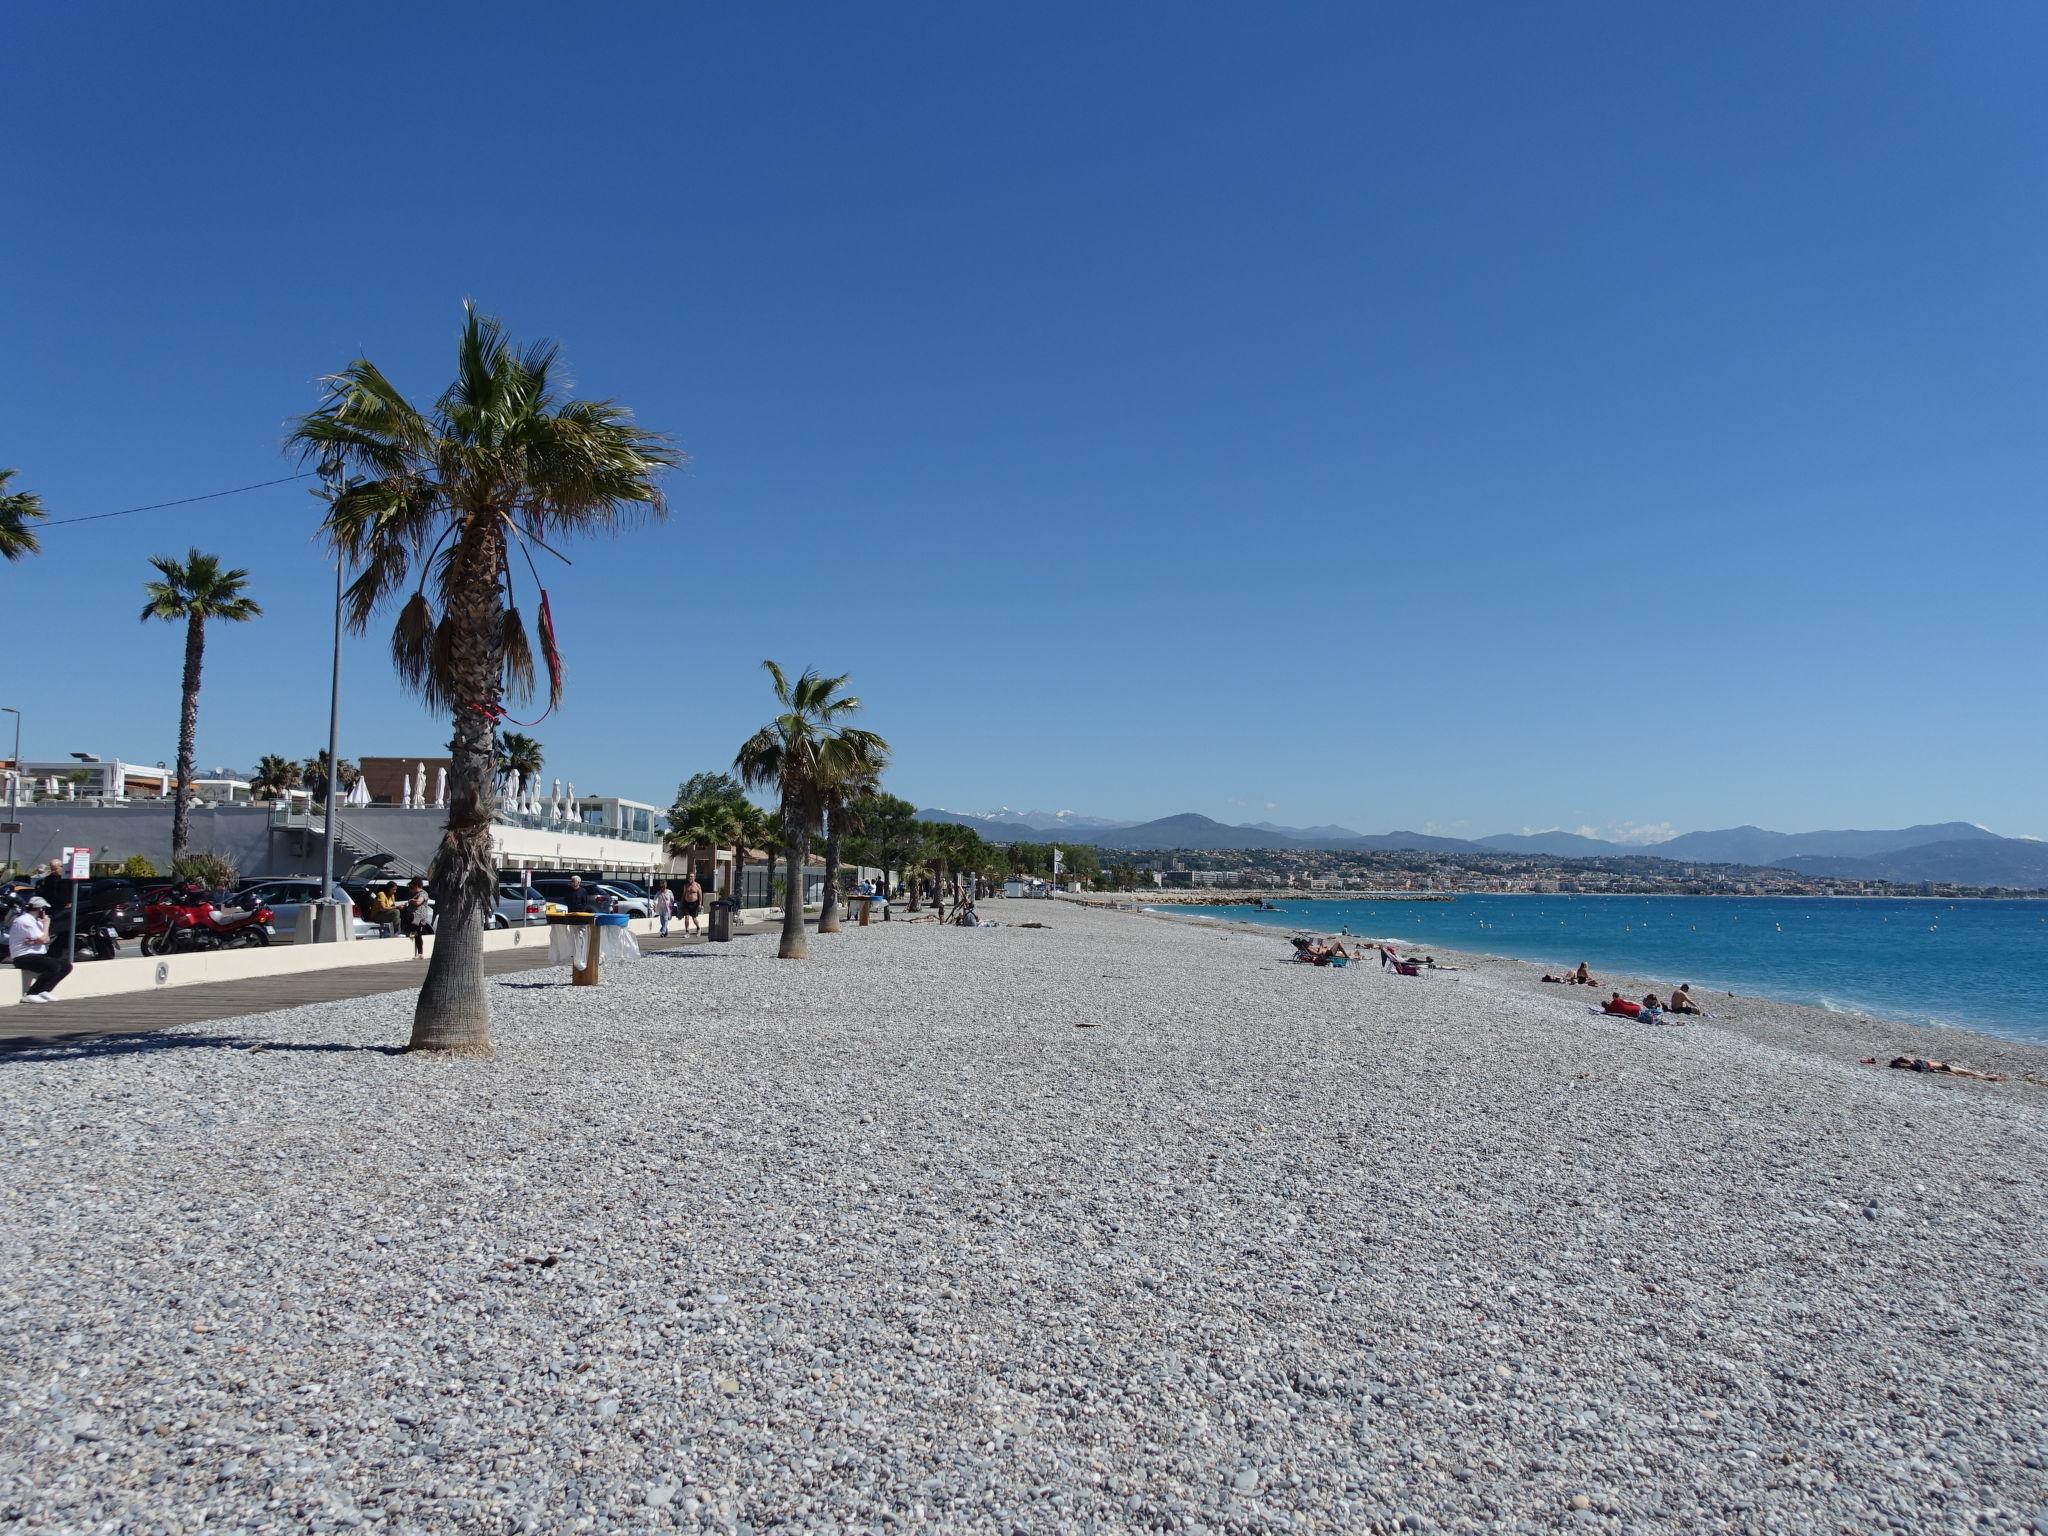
[178, 922]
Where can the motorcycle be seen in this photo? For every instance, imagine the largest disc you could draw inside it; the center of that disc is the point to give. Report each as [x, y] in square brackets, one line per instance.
[183, 922]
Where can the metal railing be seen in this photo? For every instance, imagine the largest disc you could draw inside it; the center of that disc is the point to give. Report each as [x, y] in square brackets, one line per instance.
[314, 819]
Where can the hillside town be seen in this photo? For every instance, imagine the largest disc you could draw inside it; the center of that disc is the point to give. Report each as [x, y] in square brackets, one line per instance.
[1422, 872]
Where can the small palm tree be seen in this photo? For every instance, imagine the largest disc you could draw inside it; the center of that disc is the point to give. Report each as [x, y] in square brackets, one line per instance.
[801, 753]
[275, 777]
[754, 828]
[519, 754]
[313, 775]
[708, 823]
[842, 799]
[17, 510]
[194, 590]
[499, 460]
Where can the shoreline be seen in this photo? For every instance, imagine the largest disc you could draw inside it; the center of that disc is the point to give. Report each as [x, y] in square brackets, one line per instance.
[1803, 1027]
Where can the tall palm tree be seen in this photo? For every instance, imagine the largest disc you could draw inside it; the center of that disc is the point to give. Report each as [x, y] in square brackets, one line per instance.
[499, 460]
[195, 589]
[842, 799]
[275, 777]
[520, 754]
[17, 510]
[801, 752]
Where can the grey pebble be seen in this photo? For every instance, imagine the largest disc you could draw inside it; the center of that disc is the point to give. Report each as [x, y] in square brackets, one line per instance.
[880, 1241]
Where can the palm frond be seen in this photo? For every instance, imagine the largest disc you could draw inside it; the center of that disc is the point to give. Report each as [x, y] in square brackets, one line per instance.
[518, 655]
[412, 645]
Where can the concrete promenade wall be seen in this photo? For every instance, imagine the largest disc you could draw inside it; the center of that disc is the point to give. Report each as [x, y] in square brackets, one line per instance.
[107, 978]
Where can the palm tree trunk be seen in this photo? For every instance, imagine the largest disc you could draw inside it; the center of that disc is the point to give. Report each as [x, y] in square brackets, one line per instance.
[453, 1014]
[795, 851]
[828, 910]
[188, 732]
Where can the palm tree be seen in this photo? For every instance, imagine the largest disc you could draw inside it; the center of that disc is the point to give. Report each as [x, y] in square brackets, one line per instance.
[194, 590]
[842, 800]
[275, 777]
[17, 510]
[707, 823]
[801, 753]
[519, 754]
[313, 774]
[500, 459]
[754, 828]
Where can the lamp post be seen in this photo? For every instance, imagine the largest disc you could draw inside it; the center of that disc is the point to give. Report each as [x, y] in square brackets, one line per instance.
[13, 787]
[341, 916]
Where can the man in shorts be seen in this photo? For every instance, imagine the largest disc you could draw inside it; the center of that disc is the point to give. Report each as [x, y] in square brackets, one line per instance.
[693, 903]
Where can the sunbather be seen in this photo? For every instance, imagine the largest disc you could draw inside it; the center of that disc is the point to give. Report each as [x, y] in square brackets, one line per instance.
[1922, 1064]
[1681, 1001]
[1621, 1007]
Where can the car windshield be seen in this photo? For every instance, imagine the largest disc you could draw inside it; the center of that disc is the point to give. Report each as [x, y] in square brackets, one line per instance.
[626, 887]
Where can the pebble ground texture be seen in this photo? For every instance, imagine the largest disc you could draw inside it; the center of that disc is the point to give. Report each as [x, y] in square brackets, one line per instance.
[1120, 1224]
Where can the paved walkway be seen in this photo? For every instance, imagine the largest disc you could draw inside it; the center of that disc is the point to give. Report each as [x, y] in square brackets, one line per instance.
[168, 1007]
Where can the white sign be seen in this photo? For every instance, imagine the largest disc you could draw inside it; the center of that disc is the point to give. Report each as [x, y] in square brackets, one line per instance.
[78, 863]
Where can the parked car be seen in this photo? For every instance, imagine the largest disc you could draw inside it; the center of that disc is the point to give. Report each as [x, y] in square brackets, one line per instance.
[624, 900]
[519, 904]
[284, 898]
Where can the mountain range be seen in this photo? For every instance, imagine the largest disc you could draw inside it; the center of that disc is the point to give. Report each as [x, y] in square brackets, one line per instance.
[1956, 851]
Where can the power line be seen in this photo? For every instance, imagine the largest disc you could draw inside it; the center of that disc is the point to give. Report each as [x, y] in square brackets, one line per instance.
[183, 501]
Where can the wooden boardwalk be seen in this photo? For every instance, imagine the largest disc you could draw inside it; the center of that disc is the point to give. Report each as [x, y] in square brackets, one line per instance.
[29, 1024]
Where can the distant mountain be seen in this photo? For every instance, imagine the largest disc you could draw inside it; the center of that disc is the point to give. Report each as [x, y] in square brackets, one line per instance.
[1189, 831]
[1010, 823]
[1305, 834]
[1753, 845]
[1958, 861]
[1564, 845]
[1957, 852]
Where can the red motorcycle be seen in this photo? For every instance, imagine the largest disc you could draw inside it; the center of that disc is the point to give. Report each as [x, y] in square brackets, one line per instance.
[187, 920]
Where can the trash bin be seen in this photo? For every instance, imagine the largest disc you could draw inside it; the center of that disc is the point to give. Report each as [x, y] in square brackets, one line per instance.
[721, 921]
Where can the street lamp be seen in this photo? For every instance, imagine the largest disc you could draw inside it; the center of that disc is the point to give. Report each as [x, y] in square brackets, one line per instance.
[13, 787]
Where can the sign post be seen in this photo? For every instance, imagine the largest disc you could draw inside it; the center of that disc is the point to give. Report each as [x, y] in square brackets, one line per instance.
[525, 902]
[78, 870]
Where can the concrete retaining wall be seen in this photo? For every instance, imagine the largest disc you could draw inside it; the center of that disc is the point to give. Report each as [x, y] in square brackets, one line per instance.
[107, 978]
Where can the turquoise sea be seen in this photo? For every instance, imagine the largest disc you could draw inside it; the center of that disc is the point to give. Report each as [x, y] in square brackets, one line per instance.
[1979, 964]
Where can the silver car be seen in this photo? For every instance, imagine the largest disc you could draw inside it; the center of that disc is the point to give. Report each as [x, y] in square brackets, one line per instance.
[285, 898]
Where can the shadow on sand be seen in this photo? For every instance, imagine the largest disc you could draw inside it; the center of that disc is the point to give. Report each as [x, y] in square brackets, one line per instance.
[83, 1047]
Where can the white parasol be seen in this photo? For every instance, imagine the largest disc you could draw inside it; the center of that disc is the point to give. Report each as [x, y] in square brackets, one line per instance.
[440, 789]
[405, 798]
[359, 793]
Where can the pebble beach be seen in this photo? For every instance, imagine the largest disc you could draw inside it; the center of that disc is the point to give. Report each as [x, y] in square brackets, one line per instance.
[1118, 1223]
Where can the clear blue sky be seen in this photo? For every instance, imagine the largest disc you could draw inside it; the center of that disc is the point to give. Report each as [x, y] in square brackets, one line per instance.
[1486, 416]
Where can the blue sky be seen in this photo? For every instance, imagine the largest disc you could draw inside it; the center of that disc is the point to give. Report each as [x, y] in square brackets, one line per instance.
[1479, 417]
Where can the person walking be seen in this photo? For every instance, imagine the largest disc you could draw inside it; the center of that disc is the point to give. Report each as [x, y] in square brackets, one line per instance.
[417, 917]
[28, 945]
[664, 905]
[693, 903]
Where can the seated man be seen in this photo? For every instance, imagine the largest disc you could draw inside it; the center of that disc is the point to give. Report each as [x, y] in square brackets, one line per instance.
[1681, 1001]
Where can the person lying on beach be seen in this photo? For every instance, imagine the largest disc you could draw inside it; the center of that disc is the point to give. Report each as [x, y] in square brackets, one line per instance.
[1922, 1064]
[1652, 1011]
[1579, 978]
[1621, 1007]
[1321, 954]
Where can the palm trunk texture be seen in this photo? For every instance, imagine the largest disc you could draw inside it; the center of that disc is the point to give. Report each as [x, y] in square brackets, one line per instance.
[828, 910]
[453, 1015]
[794, 946]
[188, 732]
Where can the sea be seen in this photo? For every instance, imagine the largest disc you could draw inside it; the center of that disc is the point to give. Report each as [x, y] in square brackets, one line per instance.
[1979, 965]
